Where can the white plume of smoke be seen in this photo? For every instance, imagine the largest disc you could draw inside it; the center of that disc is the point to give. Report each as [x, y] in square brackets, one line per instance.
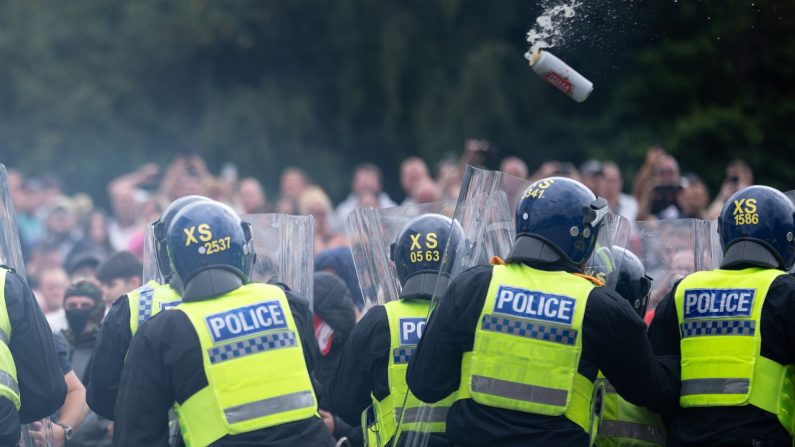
[552, 26]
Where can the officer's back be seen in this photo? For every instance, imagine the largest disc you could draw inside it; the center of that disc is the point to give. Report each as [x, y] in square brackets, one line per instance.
[734, 329]
[525, 340]
[230, 357]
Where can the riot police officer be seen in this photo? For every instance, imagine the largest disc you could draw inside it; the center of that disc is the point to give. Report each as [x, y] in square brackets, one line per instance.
[734, 329]
[625, 424]
[127, 313]
[524, 339]
[32, 385]
[373, 365]
[229, 358]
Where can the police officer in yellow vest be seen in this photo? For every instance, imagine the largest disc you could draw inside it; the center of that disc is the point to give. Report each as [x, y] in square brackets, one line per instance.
[373, 365]
[32, 385]
[127, 314]
[734, 329]
[625, 424]
[524, 340]
[230, 358]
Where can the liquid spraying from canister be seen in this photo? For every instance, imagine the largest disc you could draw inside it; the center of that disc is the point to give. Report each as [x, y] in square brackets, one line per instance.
[550, 30]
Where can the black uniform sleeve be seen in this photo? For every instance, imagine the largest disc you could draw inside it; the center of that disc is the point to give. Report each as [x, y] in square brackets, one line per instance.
[62, 350]
[615, 339]
[113, 342]
[144, 394]
[299, 307]
[435, 368]
[664, 329]
[362, 367]
[41, 384]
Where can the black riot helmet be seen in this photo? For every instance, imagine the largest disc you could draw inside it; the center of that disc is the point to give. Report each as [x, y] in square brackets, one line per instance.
[633, 284]
[161, 225]
[418, 251]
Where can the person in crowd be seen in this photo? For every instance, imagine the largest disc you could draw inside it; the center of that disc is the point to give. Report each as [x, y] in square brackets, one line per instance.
[118, 275]
[293, 182]
[285, 205]
[219, 395]
[592, 176]
[124, 223]
[657, 185]
[52, 284]
[84, 311]
[186, 175]
[448, 177]
[611, 189]
[61, 227]
[314, 202]
[251, 197]
[366, 180]
[426, 191]
[738, 176]
[82, 264]
[514, 166]
[732, 330]
[413, 171]
[74, 409]
[693, 198]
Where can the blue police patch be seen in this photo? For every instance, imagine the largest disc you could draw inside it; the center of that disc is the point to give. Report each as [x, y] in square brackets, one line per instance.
[244, 321]
[167, 305]
[534, 305]
[411, 330]
[718, 303]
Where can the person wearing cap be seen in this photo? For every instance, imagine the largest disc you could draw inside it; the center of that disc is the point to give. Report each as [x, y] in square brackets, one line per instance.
[522, 340]
[733, 330]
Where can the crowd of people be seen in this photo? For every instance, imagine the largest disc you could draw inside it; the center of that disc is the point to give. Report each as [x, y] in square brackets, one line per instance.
[80, 258]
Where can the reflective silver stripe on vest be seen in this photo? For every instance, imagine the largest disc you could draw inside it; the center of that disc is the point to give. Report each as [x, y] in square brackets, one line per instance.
[551, 333]
[519, 391]
[402, 355]
[714, 386]
[253, 345]
[8, 381]
[718, 327]
[145, 299]
[4, 337]
[269, 407]
[422, 414]
[631, 430]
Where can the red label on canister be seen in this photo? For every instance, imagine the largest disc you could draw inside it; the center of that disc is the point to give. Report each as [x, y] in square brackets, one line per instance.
[559, 81]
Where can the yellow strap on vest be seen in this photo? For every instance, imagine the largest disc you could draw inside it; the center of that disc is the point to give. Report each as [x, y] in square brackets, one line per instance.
[148, 300]
[8, 369]
[627, 425]
[772, 391]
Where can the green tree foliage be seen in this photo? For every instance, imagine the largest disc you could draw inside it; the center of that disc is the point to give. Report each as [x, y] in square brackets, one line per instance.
[90, 89]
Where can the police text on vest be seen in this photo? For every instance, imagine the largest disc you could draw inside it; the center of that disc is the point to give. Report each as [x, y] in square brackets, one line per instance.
[411, 331]
[535, 305]
[717, 303]
[244, 321]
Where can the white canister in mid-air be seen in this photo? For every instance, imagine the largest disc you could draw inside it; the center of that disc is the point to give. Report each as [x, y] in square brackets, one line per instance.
[563, 77]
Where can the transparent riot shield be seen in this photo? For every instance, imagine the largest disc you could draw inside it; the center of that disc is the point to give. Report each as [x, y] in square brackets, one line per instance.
[486, 211]
[285, 250]
[35, 434]
[10, 250]
[151, 268]
[791, 196]
[674, 248]
[371, 233]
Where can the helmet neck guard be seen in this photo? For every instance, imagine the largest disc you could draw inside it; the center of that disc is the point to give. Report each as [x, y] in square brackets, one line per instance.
[746, 251]
[211, 282]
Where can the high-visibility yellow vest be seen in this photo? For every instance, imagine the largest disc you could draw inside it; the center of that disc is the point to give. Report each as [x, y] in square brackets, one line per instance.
[406, 323]
[627, 425]
[256, 373]
[148, 300]
[528, 345]
[719, 315]
[8, 369]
